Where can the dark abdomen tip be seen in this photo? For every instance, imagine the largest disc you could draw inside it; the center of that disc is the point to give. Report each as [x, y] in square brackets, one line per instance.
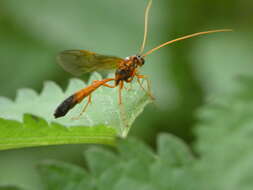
[65, 106]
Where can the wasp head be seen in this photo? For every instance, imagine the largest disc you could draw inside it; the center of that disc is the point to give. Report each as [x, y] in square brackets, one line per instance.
[138, 60]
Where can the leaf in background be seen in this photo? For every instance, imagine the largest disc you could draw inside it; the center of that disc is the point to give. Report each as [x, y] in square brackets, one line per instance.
[135, 167]
[225, 140]
[104, 111]
[10, 188]
[62, 176]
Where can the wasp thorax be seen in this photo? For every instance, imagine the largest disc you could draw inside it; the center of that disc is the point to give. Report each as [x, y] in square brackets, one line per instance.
[127, 69]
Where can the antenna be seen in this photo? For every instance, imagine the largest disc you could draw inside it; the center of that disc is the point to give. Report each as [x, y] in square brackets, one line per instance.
[185, 37]
[145, 27]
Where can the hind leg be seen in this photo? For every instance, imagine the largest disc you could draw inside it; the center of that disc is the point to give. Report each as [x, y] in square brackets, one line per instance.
[89, 100]
[84, 109]
[106, 85]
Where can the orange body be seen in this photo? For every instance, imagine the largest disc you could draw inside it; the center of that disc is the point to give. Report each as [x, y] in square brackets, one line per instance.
[81, 94]
[77, 97]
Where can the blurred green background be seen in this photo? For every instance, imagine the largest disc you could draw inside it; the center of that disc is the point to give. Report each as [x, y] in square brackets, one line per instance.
[183, 76]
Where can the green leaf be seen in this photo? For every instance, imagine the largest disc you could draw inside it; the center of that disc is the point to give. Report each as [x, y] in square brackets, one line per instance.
[10, 188]
[93, 157]
[34, 131]
[225, 140]
[134, 167]
[169, 145]
[101, 123]
[172, 170]
[62, 176]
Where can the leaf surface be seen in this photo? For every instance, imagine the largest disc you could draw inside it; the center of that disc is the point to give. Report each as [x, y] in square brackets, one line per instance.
[29, 120]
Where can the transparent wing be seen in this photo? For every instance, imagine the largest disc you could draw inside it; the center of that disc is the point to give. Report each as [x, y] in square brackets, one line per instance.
[78, 62]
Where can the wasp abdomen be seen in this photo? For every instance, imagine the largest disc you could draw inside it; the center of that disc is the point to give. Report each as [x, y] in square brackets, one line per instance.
[65, 106]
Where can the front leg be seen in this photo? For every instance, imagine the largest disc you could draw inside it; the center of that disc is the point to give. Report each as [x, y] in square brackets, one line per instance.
[148, 91]
[129, 80]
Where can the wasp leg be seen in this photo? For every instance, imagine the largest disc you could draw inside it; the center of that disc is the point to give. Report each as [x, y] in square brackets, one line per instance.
[129, 88]
[121, 85]
[123, 115]
[148, 91]
[89, 100]
[106, 85]
[84, 109]
[109, 86]
[130, 84]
